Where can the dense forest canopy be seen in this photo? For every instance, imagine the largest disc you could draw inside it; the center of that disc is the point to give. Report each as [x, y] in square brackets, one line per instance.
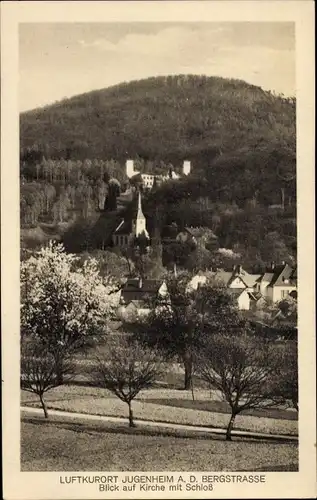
[164, 117]
[240, 140]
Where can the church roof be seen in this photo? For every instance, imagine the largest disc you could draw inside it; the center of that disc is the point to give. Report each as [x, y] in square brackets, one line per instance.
[125, 227]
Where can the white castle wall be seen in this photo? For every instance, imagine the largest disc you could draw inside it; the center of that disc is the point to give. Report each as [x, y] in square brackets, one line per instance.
[186, 167]
[148, 179]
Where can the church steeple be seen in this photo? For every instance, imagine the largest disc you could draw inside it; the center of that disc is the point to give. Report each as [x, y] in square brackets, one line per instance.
[140, 213]
[140, 223]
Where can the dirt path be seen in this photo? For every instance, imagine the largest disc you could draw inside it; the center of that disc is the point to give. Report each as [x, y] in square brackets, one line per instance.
[212, 430]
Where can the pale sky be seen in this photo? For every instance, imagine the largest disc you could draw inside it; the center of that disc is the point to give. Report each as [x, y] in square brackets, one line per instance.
[62, 60]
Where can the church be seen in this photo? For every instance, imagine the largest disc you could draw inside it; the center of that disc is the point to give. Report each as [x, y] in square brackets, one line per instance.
[131, 228]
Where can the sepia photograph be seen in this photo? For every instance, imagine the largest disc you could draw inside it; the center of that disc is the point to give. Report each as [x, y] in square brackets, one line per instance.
[158, 253]
[158, 246]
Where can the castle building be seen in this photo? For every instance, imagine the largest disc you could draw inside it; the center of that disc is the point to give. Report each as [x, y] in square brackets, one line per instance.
[148, 179]
[130, 228]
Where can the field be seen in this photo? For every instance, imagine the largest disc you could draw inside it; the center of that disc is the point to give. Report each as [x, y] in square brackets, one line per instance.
[66, 444]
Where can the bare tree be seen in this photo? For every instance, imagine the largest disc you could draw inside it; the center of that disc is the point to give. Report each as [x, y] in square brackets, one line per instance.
[239, 365]
[178, 323]
[125, 368]
[38, 370]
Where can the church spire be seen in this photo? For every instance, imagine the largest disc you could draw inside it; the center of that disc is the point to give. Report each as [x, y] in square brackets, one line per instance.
[140, 213]
[140, 223]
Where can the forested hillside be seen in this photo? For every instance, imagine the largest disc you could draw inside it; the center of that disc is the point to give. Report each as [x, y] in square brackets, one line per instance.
[165, 117]
[240, 139]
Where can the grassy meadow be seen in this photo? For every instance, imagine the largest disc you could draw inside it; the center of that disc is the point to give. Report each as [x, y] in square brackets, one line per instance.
[69, 444]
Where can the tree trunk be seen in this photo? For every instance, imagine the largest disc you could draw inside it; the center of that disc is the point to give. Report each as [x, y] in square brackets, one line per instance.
[188, 365]
[131, 421]
[230, 427]
[192, 388]
[59, 372]
[43, 406]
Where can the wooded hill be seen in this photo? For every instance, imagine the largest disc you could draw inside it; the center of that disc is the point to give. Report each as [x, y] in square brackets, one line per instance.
[170, 118]
[240, 139]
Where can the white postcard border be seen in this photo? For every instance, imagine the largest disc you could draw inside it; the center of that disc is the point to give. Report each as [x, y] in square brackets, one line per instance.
[46, 485]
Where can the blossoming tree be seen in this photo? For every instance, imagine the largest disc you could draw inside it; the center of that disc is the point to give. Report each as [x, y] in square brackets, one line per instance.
[64, 307]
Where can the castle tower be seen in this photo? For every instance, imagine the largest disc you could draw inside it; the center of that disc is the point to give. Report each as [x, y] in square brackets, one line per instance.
[129, 166]
[140, 223]
[186, 167]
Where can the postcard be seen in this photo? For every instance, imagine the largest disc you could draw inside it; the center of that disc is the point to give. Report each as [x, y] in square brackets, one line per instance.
[157, 187]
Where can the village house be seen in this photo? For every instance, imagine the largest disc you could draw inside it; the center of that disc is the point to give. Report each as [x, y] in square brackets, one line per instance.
[238, 281]
[253, 291]
[196, 235]
[242, 297]
[278, 283]
[136, 296]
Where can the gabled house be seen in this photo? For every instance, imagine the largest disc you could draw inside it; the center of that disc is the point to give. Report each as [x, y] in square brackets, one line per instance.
[137, 293]
[242, 279]
[283, 282]
[263, 282]
[141, 289]
[196, 235]
[274, 285]
[242, 297]
[236, 286]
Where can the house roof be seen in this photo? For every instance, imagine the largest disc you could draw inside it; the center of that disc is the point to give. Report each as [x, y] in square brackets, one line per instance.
[144, 285]
[236, 292]
[138, 304]
[256, 296]
[267, 277]
[250, 279]
[281, 273]
[224, 276]
[136, 290]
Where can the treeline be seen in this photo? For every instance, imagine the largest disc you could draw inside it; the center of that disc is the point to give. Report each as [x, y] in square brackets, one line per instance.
[35, 167]
[55, 203]
[53, 190]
